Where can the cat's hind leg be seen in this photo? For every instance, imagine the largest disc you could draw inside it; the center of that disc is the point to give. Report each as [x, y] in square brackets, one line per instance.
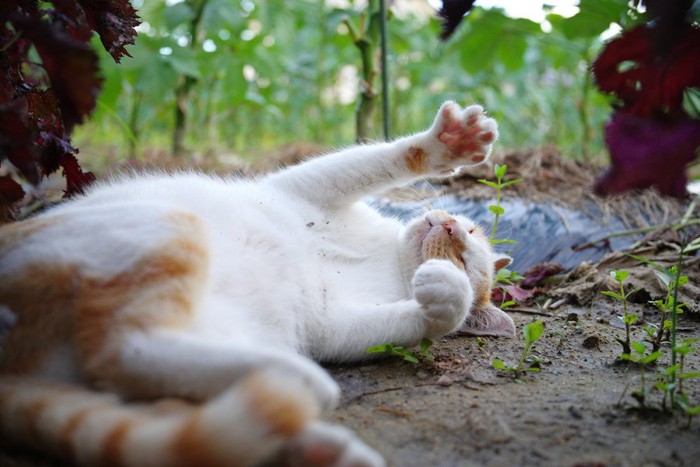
[267, 417]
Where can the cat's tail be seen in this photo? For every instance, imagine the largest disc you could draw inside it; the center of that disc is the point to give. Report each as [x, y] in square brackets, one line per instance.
[244, 426]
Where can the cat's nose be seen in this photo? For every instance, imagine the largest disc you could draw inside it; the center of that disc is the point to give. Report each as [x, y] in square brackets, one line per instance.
[450, 226]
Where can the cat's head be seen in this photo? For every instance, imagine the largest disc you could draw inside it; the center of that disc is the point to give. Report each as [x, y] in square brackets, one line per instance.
[441, 235]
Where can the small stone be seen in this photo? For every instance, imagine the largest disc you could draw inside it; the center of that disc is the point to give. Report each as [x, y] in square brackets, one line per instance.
[572, 317]
[591, 342]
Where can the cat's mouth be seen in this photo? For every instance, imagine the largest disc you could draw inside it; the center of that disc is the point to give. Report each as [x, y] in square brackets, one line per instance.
[441, 241]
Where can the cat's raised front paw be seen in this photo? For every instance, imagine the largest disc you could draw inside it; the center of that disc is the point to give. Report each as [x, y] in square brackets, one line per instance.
[445, 295]
[458, 137]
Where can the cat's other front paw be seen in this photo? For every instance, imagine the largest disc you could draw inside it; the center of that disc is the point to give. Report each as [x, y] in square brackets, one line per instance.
[445, 294]
[459, 137]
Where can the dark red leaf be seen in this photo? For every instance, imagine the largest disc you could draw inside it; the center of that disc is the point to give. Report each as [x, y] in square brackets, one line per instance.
[10, 190]
[510, 293]
[71, 66]
[16, 142]
[76, 179]
[535, 274]
[71, 15]
[648, 153]
[10, 193]
[53, 150]
[114, 21]
[650, 82]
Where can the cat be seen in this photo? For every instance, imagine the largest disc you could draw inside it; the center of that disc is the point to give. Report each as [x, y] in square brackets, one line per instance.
[213, 296]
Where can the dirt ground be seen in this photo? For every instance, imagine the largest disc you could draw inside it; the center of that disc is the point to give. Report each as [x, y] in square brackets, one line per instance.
[578, 411]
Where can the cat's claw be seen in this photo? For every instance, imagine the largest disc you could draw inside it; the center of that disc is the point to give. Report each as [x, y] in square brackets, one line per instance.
[445, 295]
[466, 135]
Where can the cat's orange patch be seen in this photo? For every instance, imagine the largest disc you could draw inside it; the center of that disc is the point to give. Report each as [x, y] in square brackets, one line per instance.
[65, 435]
[111, 452]
[41, 296]
[284, 412]
[417, 160]
[159, 290]
[191, 445]
[444, 247]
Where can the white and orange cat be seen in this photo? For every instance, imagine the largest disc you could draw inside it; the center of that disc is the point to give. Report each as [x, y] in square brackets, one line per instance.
[222, 292]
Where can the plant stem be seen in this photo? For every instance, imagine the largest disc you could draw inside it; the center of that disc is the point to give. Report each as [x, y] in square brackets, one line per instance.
[186, 82]
[674, 323]
[498, 203]
[385, 70]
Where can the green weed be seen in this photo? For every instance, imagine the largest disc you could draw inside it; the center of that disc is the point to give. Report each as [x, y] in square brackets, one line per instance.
[669, 381]
[628, 319]
[404, 353]
[496, 209]
[531, 333]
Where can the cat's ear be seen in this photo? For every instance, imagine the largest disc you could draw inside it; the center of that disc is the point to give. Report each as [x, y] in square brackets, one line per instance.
[501, 261]
[488, 320]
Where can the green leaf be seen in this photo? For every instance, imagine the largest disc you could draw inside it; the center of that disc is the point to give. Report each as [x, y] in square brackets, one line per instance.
[619, 276]
[690, 375]
[612, 294]
[594, 17]
[497, 210]
[425, 344]
[498, 364]
[533, 331]
[652, 357]
[507, 304]
[630, 318]
[496, 241]
[500, 171]
[638, 347]
[379, 348]
[511, 182]
[489, 183]
[410, 358]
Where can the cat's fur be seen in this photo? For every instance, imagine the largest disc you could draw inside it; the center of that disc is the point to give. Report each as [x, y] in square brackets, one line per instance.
[221, 292]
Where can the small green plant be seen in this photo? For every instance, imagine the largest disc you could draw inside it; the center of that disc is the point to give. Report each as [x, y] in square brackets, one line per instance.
[406, 354]
[640, 357]
[505, 277]
[531, 332]
[669, 381]
[496, 209]
[628, 319]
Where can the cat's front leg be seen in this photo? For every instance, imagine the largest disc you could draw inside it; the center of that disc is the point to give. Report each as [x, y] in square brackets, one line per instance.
[458, 137]
[445, 295]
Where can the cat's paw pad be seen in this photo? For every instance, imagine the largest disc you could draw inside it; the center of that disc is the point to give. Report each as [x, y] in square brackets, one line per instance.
[444, 293]
[324, 445]
[466, 134]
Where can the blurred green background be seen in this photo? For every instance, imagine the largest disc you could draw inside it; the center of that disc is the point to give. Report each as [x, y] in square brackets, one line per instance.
[252, 75]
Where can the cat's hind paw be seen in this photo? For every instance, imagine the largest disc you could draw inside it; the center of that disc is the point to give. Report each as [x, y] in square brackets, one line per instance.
[463, 136]
[324, 445]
